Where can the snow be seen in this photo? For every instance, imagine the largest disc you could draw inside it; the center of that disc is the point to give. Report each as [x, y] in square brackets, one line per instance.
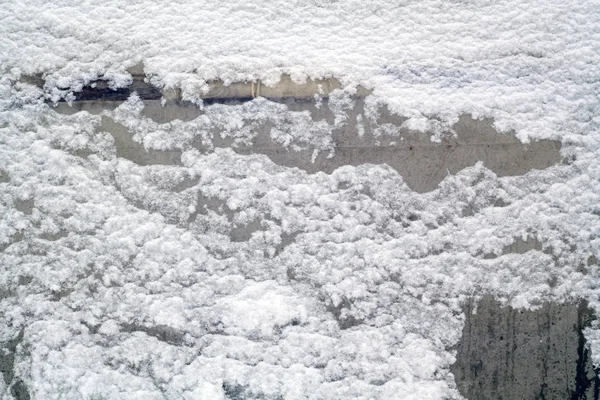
[529, 65]
[343, 291]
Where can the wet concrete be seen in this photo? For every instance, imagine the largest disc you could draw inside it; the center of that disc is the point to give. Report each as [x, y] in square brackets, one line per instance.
[510, 354]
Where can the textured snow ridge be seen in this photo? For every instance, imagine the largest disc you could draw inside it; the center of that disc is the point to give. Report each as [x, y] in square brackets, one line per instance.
[225, 276]
[531, 65]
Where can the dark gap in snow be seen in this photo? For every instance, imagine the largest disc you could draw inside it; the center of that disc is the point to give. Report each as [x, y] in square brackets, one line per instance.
[520, 246]
[7, 357]
[58, 295]
[161, 332]
[35, 80]
[19, 390]
[185, 184]
[25, 280]
[7, 364]
[53, 237]
[507, 353]
[25, 206]
[15, 238]
[235, 391]
[217, 93]
[101, 91]
[286, 240]
[127, 148]
[4, 177]
[343, 314]
[208, 203]
[243, 232]
[92, 328]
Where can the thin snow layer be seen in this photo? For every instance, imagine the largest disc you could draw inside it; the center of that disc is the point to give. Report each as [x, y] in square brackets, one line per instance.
[531, 65]
[127, 283]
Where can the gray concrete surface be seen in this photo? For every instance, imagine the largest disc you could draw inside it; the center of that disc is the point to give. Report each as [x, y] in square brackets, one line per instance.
[514, 354]
[7, 360]
[127, 148]
[422, 163]
[285, 88]
[216, 90]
